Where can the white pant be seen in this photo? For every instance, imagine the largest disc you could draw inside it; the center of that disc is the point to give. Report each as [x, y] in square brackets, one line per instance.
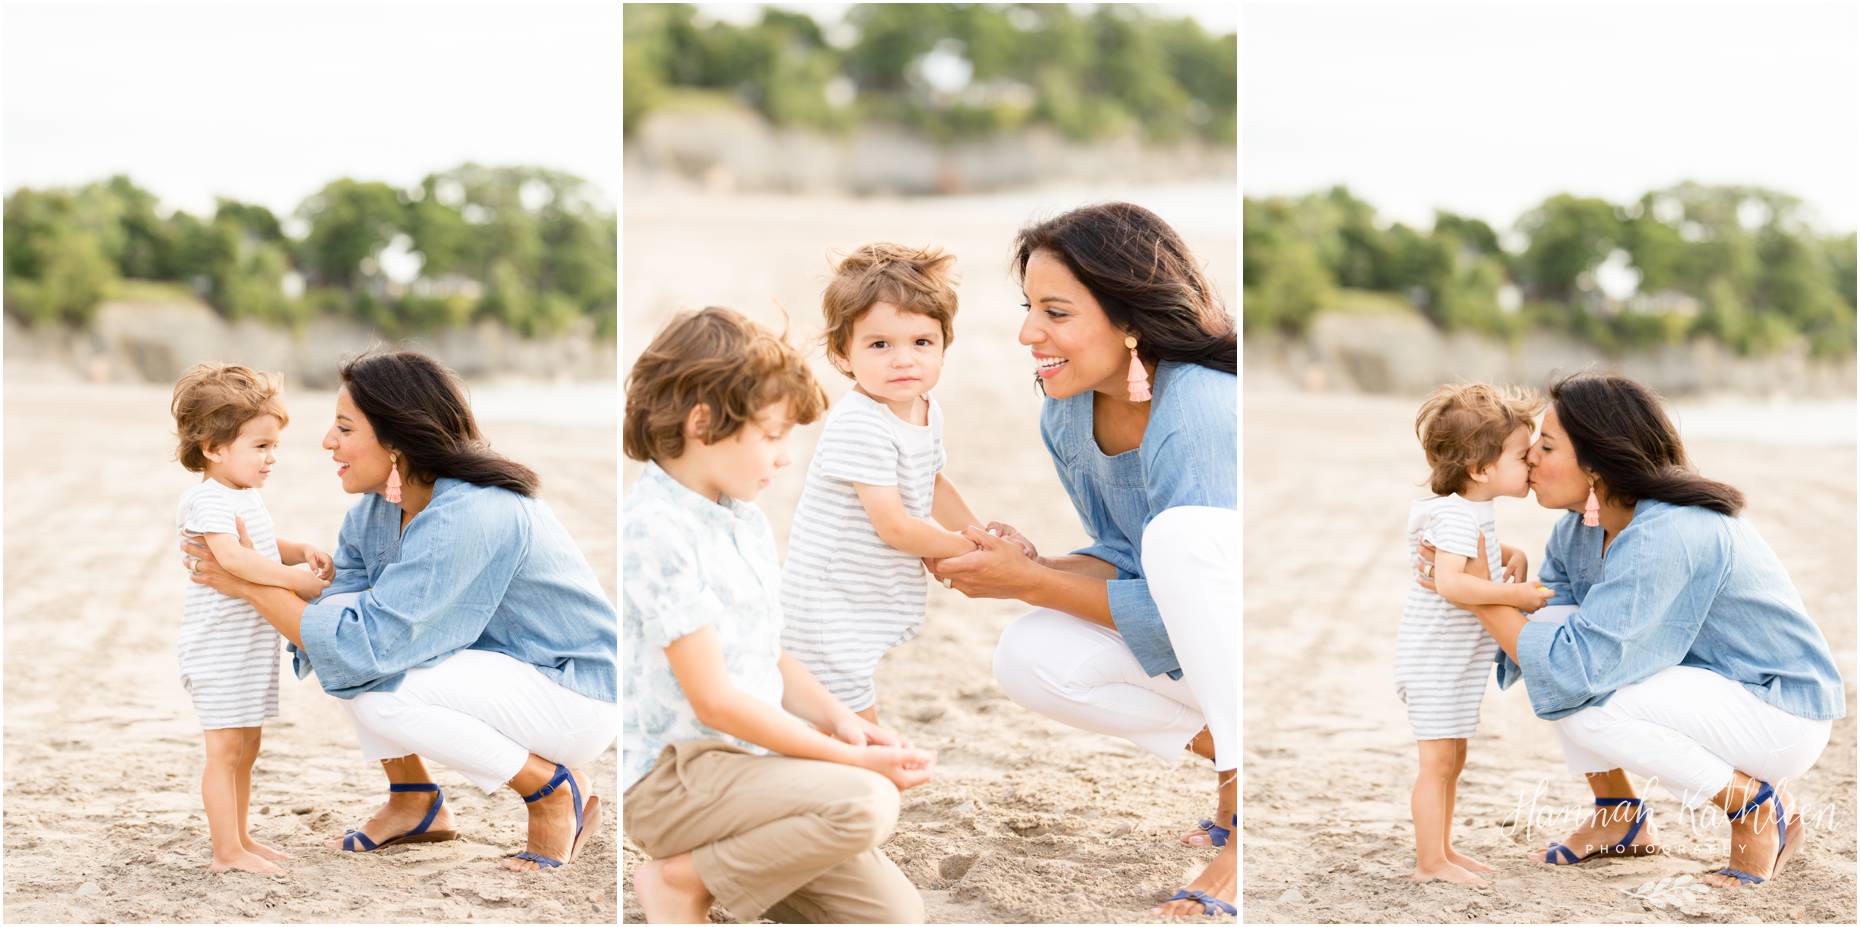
[482, 714]
[1687, 728]
[1080, 673]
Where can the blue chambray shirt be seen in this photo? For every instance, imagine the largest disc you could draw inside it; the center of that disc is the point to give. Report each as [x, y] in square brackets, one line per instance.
[480, 568]
[1187, 458]
[1681, 585]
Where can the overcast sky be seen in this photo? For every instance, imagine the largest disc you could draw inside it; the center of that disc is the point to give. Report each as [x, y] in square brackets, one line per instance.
[267, 102]
[1487, 109]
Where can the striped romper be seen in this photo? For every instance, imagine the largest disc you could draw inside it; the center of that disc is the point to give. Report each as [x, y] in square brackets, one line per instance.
[846, 596]
[228, 652]
[1443, 655]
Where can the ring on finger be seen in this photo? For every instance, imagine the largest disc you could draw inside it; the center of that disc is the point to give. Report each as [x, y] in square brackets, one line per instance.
[948, 583]
[1427, 570]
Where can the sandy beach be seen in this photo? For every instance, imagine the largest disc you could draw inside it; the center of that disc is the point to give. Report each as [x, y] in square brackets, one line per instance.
[1026, 819]
[103, 753]
[1329, 758]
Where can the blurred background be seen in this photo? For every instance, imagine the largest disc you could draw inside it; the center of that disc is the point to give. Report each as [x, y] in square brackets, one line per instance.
[1507, 193]
[763, 143]
[283, 186]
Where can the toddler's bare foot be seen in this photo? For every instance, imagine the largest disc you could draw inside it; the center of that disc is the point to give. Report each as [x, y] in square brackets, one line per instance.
[258, 849]
[1445, 871]
[246, 862]
[1466, 862]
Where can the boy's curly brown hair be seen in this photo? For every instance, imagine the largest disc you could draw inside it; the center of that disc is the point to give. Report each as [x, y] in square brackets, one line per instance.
[213, 401]
[1463, 428]
[716, 358]
[916, 280]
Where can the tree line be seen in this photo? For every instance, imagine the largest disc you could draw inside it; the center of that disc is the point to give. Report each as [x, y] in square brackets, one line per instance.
[529, 247]
[1095, 75]
[1740, 264]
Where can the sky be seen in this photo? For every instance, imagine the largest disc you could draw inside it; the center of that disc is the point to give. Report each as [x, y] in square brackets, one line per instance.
[266, 102]
[1488, 109]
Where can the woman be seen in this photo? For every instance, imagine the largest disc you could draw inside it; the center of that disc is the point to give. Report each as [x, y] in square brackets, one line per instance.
[1135, 634]
[463, 624]
[1689, 656]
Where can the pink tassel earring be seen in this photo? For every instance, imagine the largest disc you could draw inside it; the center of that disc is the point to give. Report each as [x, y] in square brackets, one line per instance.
[393, 484]
[1139, 380]
[1592, 510]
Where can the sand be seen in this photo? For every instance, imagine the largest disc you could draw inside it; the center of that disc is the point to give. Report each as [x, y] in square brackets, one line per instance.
[103, 753]
[1329, 759]
[1026, 819]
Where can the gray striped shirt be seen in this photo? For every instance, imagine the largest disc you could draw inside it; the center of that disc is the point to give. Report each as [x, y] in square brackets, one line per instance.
[846, 595]
[1443, 655]
[228, 652]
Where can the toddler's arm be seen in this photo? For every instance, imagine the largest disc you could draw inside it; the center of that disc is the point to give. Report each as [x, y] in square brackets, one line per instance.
[252, 566]
[697, 660]
[919, 537]
[947, 506]
[293, 553]
[1462, 588]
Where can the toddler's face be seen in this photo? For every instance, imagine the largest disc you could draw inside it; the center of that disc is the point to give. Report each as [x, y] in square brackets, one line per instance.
[1510, 475]
[895, 355]
[246, 462]
[743, 464]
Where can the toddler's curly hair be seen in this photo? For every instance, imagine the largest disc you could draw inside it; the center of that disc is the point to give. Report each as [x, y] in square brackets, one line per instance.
[916, 280]
[717, 358]
[1463, 428]
[213, 401]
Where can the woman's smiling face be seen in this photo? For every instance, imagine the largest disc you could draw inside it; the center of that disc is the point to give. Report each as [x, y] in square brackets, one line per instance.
[1556, 478]
[361, 462]
[1075, 346]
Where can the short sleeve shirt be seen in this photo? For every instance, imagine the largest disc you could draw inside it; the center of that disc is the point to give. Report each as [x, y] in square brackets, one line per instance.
[837, 564]
[692, 562]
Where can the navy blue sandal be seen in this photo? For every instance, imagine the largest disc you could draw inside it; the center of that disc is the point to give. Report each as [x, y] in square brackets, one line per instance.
[357, 842]
[593, 811]
[1210, 905]
[1624, 848]
[1218, 835]
[1783, 849]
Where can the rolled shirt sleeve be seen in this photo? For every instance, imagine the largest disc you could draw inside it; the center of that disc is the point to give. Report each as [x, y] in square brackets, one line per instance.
[456, 560]
[1641, 618]
[1553, 574]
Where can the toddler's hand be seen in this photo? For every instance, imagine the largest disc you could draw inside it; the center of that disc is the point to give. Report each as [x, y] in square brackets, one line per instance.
[1007, 531]
[1533, 597]
[319, 563]
[1516, 567]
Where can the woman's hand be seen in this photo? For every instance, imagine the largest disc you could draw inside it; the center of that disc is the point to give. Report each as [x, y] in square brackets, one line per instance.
[197, 558]
[997, 569]
[1007, 532]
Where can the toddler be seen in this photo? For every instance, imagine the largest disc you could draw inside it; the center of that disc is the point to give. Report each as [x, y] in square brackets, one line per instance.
[1475, 438]
[228, 418]
[876, 501]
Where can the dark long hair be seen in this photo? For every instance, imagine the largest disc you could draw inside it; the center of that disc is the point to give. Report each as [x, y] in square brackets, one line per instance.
[418, 407]
[1620, 433]
[1141, 272]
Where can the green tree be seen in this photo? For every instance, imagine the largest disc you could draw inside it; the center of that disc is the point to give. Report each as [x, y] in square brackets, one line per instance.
[350, 222]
